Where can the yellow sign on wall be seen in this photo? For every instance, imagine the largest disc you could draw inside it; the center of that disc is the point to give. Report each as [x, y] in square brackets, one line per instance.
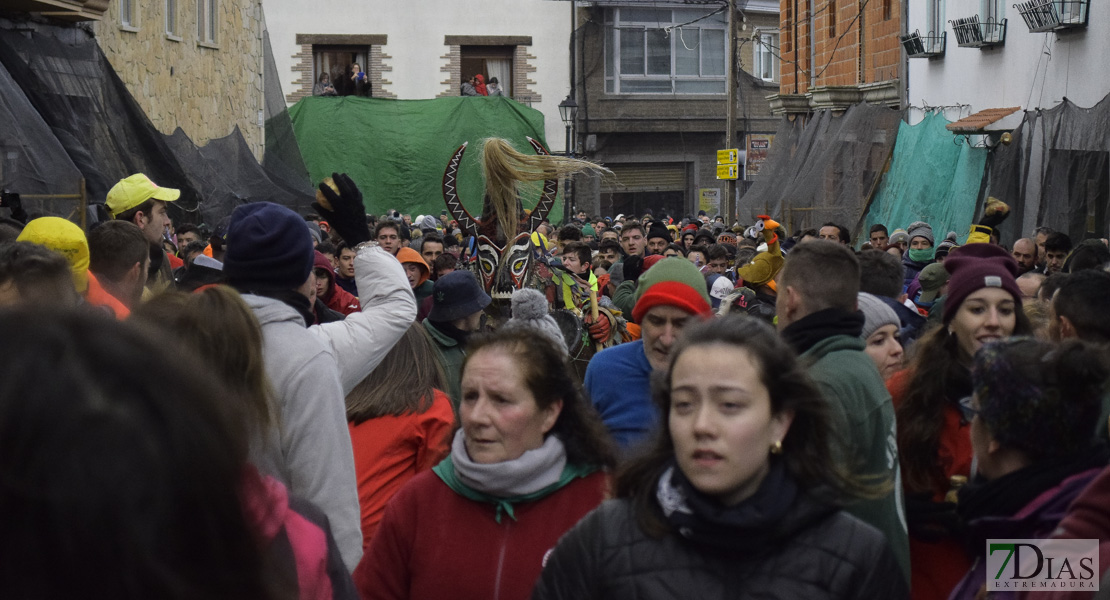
[727, 171]
[729, 156]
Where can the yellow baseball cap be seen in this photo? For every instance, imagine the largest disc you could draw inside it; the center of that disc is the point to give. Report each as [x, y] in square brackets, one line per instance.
[66, 239]
[134, 190]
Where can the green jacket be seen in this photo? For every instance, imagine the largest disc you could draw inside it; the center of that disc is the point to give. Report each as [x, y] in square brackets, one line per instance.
[625, 297]
[864, 416]
[451, 355]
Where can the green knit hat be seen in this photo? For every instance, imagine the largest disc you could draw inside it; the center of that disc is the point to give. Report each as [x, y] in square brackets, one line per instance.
[588, 230]
[674, 282]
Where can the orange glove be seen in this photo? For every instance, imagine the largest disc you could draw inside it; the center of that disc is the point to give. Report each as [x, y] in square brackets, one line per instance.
[599, 331]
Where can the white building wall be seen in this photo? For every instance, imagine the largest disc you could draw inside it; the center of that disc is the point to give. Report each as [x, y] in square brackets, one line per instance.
[416, 30]
[1032, 70]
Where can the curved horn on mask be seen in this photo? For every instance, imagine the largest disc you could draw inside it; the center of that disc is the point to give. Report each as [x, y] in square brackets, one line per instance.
[547, 197]
[467, 223]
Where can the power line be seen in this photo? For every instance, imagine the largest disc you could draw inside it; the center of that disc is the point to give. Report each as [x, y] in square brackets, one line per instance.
[832, 54]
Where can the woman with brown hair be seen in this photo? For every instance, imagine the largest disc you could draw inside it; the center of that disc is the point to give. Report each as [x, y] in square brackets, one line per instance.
[983, 304]
[400, 421]
[740, 496]
[216, 325]
[530, 460]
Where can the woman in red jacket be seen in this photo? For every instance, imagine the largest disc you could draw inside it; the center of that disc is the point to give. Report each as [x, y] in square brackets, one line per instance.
[983, 303]
[528, 463]
[400, 421]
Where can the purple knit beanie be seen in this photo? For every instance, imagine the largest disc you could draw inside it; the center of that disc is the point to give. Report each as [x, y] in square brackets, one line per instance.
[974, 267]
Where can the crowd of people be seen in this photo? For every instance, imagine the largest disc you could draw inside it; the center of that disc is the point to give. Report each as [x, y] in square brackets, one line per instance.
[318, 406]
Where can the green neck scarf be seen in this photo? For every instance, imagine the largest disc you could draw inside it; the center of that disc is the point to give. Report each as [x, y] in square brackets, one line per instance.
[446, 471]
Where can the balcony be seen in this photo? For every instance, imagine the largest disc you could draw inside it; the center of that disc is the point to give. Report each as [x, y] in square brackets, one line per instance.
[924, 46]
[1053, 15]
[973, 33]
[67, 10]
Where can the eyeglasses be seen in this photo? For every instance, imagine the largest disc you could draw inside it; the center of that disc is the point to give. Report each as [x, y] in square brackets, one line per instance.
[967, 409]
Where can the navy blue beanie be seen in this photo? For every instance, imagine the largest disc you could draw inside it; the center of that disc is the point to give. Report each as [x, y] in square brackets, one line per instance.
[269, 247]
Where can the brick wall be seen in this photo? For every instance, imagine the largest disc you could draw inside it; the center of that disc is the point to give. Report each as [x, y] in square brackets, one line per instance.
[522, 67]
[453, 68]
[302, 74]
[378, 69]
[837, 59]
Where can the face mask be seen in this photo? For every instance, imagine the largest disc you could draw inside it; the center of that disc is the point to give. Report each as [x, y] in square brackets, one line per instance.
[921, 254]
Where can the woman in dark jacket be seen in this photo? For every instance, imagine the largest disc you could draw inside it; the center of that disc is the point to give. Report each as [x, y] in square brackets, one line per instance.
[1031, 400]
[739, 497]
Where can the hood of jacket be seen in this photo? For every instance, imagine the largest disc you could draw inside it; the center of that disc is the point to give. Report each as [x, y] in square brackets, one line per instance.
[410, 256]
[271, 310]
[323, 262]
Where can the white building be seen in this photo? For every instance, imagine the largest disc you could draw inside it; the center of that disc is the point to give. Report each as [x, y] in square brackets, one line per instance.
[422, 49]
[980, 54]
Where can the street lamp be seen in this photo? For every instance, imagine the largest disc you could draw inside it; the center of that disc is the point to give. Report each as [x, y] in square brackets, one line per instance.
[568, 110]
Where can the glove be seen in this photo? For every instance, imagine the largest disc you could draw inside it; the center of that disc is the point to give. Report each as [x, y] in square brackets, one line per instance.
[931, 521]
[633, 266]
[599, 330]
[346, 213]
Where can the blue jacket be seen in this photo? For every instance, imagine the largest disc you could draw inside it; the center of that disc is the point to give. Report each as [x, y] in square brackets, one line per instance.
[618, 381]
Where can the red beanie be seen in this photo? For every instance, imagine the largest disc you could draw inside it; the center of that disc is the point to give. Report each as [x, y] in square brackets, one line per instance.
[977, 266]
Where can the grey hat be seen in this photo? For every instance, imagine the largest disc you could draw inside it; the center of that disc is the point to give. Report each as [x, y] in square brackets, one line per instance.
[920, 229]
[530, 315]
[314, 229]
[899, 236]
[875, 314]
[427, 223]
[457, 295]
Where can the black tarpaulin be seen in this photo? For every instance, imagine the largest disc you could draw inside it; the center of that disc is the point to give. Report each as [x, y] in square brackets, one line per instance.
[823, 168]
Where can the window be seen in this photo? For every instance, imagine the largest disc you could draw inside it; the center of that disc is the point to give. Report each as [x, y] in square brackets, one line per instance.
[888, 10]
[171, 17]
[664, 51]
[491, 62]
[935, 17]
[127, 13]
[765, 56]
[832, 18]
[991, 11]
[338, 62]
[206, 21]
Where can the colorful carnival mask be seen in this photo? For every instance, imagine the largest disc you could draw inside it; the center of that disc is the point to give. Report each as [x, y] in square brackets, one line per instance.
[505, 259]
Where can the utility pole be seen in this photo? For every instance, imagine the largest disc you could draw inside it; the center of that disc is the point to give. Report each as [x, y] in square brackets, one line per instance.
[730, 113]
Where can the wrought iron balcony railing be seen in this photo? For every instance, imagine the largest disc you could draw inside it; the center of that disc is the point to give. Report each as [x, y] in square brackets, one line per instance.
[1053, 15]
[973, 33]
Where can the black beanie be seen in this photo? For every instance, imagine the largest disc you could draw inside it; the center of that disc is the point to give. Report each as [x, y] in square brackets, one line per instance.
[659, 230]
[269, 248]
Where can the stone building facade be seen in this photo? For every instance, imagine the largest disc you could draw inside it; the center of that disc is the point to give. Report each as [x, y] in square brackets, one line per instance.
[189, 68]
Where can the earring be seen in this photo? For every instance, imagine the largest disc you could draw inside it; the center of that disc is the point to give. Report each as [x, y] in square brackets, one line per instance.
[776, 448]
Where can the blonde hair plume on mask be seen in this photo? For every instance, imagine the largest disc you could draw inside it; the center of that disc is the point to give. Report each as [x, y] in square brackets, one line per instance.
[504, 167]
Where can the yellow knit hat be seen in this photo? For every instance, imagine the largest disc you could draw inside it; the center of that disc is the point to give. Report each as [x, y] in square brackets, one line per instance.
[66, 239]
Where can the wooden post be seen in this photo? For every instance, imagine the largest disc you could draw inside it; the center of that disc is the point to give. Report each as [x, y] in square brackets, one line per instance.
[730, 114]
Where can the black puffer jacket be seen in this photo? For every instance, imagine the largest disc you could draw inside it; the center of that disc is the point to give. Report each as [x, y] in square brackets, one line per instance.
[819, 552]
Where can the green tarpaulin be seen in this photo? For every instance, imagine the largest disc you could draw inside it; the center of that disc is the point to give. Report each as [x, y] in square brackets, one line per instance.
[932, 178]
[396, 150]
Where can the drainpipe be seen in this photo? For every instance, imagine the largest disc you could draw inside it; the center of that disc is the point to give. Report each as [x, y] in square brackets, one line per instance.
[812, 49]
[794, 49]
[861, 75]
